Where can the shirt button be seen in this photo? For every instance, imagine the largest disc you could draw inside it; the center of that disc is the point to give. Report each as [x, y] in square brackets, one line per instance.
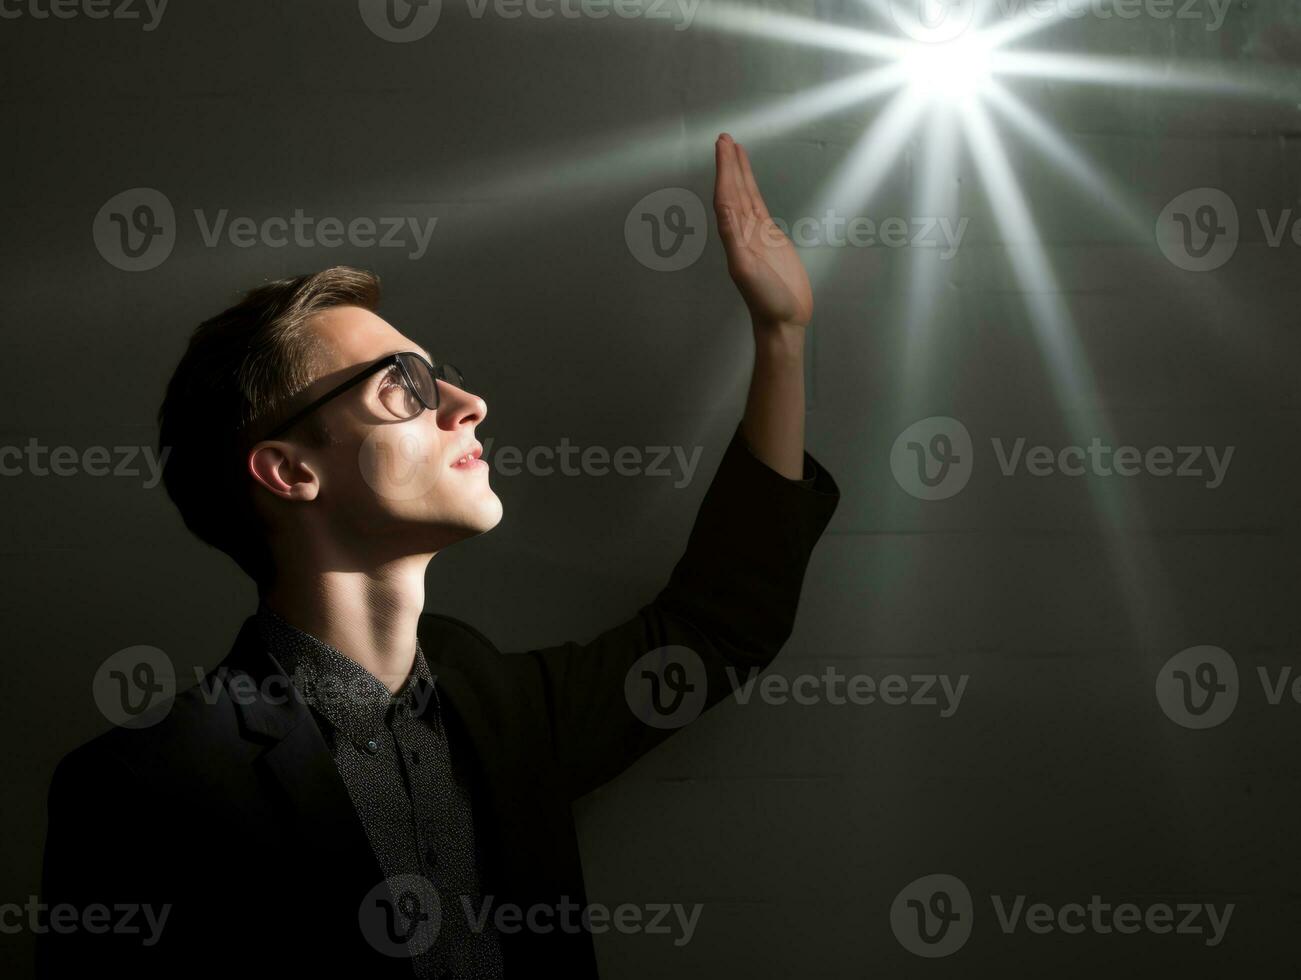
[372, 746]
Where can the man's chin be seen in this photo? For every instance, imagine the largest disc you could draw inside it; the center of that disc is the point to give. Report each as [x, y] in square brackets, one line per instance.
[485, 516]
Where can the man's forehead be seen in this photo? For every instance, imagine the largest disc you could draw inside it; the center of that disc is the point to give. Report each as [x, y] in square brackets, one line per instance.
[351, 335]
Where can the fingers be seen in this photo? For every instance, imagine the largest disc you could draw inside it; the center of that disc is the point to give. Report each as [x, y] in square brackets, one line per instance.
[731, 205]
[750, 185]
[728, 183]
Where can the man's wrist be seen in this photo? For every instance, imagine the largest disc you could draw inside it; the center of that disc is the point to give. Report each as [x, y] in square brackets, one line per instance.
[779, 339]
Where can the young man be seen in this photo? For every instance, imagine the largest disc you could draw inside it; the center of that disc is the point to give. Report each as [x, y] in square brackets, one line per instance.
[362, 788]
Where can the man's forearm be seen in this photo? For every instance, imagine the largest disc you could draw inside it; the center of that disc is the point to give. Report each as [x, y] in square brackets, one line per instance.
[773, 424]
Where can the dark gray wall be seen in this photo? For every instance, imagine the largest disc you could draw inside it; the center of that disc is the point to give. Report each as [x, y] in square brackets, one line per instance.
[1060, 598]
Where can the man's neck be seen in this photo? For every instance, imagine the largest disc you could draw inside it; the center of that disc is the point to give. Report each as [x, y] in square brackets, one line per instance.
[370, 617]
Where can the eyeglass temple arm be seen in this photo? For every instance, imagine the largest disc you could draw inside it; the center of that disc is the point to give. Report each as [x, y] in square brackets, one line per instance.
[332, 393]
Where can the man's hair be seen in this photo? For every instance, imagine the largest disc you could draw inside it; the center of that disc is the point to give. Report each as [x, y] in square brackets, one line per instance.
[242, 367]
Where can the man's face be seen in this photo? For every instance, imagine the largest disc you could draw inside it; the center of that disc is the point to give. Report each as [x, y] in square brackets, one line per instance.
[384, 485]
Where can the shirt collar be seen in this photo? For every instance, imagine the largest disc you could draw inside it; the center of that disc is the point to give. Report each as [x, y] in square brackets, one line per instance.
[353, 699]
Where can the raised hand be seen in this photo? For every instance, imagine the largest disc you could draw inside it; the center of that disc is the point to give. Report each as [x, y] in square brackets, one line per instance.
[760, 258]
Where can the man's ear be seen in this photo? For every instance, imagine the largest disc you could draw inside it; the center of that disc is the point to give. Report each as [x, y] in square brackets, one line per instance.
[281, 469]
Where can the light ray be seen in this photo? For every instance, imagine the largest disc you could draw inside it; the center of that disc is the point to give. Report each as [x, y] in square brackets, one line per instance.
[868, 163]
[1030, 265]
[1031, 20]
[936, 198]
[1068, 366]
[1070, 160]
[611, 163]
[790, 29]
[865, 167]
[1129, 72]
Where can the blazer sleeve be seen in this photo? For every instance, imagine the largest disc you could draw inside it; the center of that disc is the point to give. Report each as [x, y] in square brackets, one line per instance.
[98, 852]
[726, 611]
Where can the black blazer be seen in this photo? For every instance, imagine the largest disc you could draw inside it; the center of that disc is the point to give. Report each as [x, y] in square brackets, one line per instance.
[230, 809]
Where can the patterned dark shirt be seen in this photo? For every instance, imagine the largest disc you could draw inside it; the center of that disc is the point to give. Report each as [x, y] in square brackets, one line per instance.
[392, 753]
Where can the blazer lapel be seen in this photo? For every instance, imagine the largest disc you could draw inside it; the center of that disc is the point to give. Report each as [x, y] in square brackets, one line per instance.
[324, 843]
[502, 786]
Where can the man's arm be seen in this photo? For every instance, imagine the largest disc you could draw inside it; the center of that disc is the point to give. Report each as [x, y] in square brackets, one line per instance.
[730, 603]
[771, 279]
[726, 612]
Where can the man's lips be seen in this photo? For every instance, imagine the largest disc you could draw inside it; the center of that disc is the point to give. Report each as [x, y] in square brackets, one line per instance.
[469, 459]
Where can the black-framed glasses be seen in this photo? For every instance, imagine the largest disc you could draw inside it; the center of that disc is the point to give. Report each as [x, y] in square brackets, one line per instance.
[410, 387]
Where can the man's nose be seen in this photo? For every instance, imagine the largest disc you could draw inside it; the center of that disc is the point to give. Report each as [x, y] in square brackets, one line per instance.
[458, 407]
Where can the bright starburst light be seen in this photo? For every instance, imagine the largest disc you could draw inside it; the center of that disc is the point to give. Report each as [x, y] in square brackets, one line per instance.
[949, 69]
